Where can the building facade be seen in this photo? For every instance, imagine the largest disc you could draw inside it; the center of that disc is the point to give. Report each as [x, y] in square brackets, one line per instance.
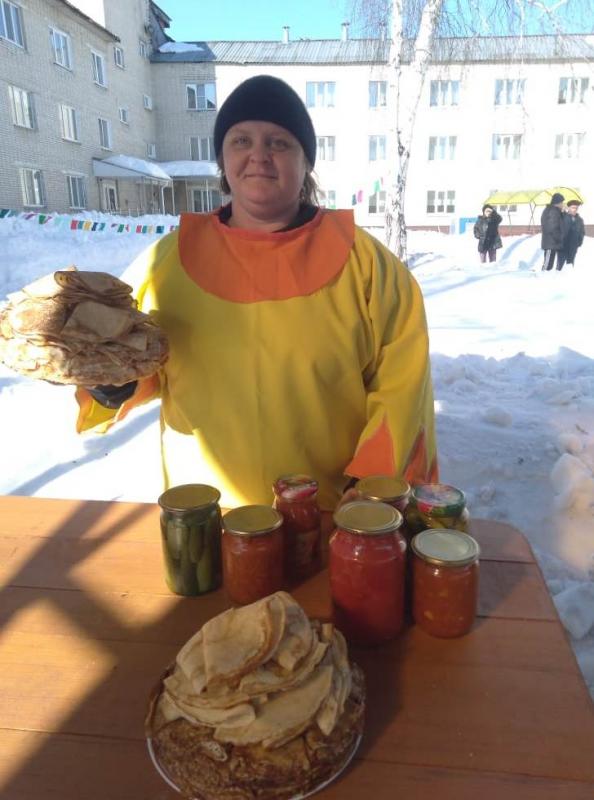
[100, 110]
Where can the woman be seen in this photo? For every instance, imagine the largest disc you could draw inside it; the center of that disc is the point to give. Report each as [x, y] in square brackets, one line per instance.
[298, 343]
[486, 230]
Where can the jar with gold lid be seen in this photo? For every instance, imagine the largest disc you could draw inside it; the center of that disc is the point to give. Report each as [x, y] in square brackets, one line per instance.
[191, 538]
[253, 551]
[385, 489]
[445, 581]
[366, 566]
[436, 505]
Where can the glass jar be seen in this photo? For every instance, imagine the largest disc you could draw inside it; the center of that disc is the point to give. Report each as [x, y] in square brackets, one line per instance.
[445, 582]
[295, 497]
[436, 505]
[191, 538]
[252, 553]
[366, 565]
[385, 489]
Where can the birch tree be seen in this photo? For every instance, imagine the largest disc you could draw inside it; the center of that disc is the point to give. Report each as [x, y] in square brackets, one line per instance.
[413, 28]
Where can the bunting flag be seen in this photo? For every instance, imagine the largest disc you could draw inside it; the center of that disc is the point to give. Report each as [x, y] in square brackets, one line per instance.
[359, 195]
[86, 224]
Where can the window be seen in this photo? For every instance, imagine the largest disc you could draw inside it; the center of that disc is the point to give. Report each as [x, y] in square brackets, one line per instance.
[32, 187]
[105, 133]
[444, 93]
[124, 115]
[62, 48]
[442, 148]
[77, 196]
[99, 74]
[509, 92]
[21, 106]
[377, 148]
[573, 90]
[377, 203]
[506, 146]
[568, 145]
[377, 93]
[200, 96]
[320, 94]
[11, 26]
[327, 198]
[325, 148]
[202, 148]
[118, 57]
[151, 149]
[147, 102]
[205, 199]
[70, 122]
[441, 201]
[142, 48]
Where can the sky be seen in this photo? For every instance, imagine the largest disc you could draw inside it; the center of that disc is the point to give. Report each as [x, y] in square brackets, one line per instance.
[512, 356]
[259, 19]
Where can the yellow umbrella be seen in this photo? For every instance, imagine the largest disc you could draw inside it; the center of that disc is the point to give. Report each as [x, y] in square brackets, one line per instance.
[535, 197]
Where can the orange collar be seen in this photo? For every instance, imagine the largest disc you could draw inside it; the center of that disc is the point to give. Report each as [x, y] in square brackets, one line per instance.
[246, 266]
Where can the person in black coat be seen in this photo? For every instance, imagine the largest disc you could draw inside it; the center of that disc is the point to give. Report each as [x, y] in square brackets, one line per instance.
[486, 230]
[573, 233]
[551, 222]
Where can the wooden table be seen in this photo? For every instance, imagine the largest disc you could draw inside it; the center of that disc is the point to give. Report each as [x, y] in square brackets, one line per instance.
[88, 625]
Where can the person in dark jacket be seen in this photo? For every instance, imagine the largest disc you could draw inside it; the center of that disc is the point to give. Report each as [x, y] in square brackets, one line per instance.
[573, 233]
[551, 223]
[486, 230]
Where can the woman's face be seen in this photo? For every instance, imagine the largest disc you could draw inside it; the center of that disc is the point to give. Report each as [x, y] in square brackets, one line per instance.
[265, 168]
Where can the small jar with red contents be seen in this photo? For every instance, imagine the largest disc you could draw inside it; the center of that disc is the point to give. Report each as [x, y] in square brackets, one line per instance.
[366, 566]
[386, 489]
[445, 582]
[295, 496]
[252, 553]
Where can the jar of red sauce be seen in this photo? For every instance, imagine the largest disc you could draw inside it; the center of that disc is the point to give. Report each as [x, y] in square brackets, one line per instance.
[295, 496]
[445, 582]
[386, 489]
[252, 553]
[366, 565]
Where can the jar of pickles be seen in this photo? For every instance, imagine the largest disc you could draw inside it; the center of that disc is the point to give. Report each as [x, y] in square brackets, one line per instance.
[191, 538]
[445, 582]
[436, 505]
[295, 497]
[366, 565]
[252, 553]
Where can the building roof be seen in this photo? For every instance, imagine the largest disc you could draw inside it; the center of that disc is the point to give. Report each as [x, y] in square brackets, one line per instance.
[90, 20]
[129, 167]
[375, 51]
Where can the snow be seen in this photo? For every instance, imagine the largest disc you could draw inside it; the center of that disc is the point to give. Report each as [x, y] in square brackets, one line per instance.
[180, 47]
[512, 352]
[186, 169]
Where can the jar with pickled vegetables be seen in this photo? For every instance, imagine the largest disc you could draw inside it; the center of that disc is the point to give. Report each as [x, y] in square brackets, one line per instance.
[253, 551]
[191, 538]
[295, 497]
[366, 566]
[436, 505]
[445, 582]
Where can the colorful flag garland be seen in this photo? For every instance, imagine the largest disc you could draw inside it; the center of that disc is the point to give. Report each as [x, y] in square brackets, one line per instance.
[86, 224]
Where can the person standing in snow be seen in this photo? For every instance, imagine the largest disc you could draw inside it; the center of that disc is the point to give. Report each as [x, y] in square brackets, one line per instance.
[573, 233]
[486, 230]
[551, 222]
[298, 342]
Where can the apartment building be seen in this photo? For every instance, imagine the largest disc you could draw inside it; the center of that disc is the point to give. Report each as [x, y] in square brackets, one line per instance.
[99, 109]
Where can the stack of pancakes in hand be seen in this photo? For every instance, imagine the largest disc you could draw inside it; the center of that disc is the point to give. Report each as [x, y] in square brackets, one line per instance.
[79, 327]
[261, 704]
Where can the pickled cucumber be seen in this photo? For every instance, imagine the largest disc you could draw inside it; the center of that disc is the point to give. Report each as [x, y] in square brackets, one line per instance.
[196, 542]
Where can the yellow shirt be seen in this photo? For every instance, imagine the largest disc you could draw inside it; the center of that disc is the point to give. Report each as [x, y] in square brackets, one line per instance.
[300, 351]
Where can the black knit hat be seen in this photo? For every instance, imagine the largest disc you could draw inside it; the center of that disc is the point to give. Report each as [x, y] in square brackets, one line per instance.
[556, 199]
[267, 99]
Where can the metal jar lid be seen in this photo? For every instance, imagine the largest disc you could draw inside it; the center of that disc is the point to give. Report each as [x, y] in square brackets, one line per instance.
[295, 488]
[439, 499]
[367, 517]
[445, 548]
[189, 497]
[383, 488]
[252, 520]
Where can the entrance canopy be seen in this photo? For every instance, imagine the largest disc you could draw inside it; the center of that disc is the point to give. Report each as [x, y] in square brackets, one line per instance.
[533, 197]
[129, 167]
